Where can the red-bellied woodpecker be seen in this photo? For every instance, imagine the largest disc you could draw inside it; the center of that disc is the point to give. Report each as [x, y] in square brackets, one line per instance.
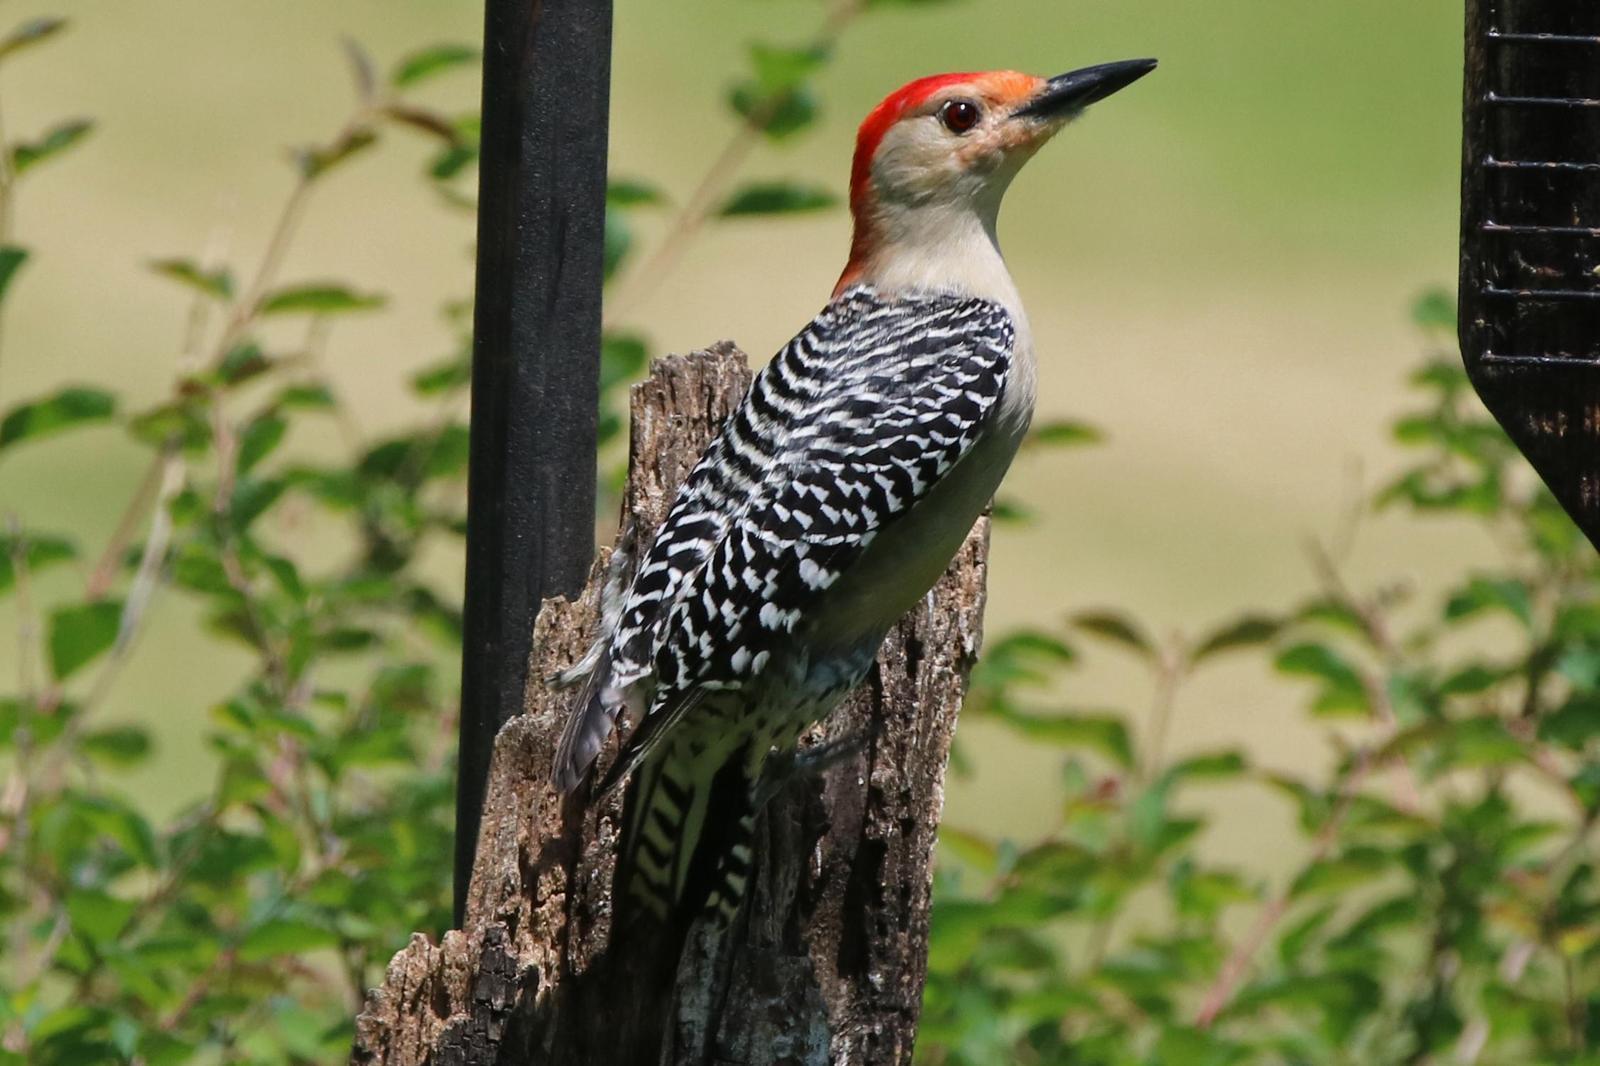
[835, 495]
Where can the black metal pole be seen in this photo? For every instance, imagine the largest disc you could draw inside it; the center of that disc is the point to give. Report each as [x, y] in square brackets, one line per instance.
[535, 357]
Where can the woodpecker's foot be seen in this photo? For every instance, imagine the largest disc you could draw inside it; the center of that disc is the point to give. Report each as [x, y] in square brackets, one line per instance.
[784, 766]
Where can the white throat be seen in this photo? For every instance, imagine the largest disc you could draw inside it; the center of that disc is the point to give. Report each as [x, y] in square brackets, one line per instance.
[951, 248]
[940, 247]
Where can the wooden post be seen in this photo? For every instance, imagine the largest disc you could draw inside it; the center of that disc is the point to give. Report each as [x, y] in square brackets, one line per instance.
[535, 358]
[826, 966]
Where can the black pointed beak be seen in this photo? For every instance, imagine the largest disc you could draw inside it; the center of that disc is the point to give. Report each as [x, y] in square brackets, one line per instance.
[1069, 93]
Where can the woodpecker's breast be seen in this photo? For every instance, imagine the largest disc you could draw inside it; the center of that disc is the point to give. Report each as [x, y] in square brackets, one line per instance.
[902, 563]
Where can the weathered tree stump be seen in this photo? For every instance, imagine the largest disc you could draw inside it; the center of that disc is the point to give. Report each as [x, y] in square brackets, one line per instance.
[827, 962]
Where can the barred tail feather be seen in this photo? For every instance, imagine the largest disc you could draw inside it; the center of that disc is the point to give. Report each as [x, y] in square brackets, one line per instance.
[686, 845]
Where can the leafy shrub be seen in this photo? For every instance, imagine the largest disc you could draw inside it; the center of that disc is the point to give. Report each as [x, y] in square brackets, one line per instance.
[248, 927]
[1445, 905]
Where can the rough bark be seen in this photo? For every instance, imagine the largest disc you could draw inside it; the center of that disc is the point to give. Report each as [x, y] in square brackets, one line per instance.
[827, 962]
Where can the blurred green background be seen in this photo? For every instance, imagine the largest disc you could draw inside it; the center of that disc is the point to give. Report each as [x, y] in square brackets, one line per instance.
[1217, 266]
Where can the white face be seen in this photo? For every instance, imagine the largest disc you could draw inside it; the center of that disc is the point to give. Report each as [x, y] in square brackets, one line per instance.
[961, 146]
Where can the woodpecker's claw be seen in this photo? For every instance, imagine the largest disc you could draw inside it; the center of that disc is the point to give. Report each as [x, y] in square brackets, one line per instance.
[783, 766]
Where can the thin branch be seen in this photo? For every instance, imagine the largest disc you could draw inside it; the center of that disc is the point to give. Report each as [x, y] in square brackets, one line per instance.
[1408, 791]
[1226, 984]
[202, 987]
[644, 280]
[1170, 665]
[104, 572]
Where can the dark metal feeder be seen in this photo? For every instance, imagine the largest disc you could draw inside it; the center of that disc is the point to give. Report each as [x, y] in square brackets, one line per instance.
[1530, 235]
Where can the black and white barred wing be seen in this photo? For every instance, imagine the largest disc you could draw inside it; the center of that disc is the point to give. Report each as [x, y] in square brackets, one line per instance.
[907, 392]
[624, 654]
[845, 430]
[620, 669]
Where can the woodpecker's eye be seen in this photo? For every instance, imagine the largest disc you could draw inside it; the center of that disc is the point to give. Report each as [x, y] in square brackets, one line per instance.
[959, 116]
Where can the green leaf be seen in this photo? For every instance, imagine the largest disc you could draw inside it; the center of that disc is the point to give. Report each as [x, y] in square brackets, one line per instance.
[261, 435]
[1249, 631]
[1116, 628]
[283, 936]
[11, 259]
[629, 192]
[1574, 724]
[1435, 309]
[1008, 510]
[618, 242]
[1342, 687]
[454, 373]
[125, 827]
[1358, 867]
[431, 61]
[37, 550]
[1022, 656]
[80, 633]
[124, 745]
[1585, 785]
[622, 359]
[1483, 740]
[242, 362]
[252, 496]
[217, 283]
[225, 856]
[181, 422]
[1102, 733]
[1484, 594]
[30, 33]
[25, 155]
[1213, 766]
[311, 397]
[1204, 893]
[779, 69]
[1471, 680]
[775, 198]
[451, 161]
[1063, 433]
[778, 115]
[318, 299]
[98, 916]
[1297, 939]
[72, 406]
[1335, 614]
